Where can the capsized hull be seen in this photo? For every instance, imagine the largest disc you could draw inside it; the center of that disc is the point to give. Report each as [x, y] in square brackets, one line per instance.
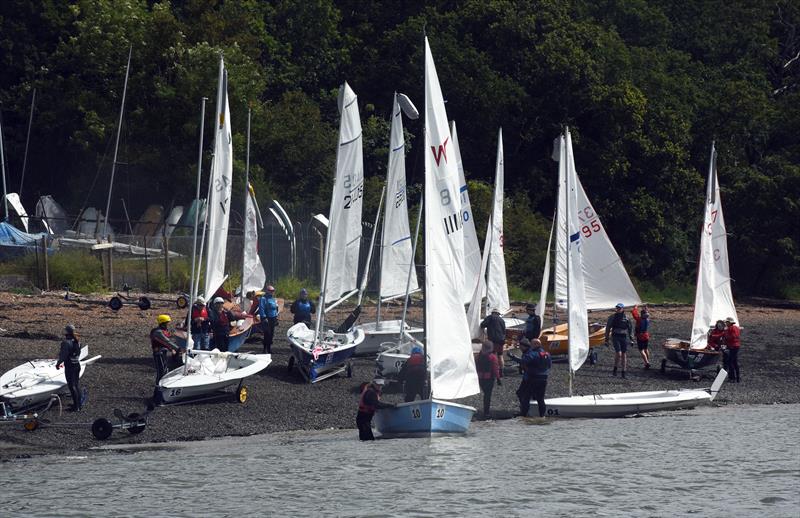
[423, 419]
[622, 404]
[315, 359]
[555, 339]
[210, 373]
[679, 352]
[377, 333]
[34, 381]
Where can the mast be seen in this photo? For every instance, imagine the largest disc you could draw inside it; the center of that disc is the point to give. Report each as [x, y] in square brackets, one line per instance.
[411, 269]
[116, 145]
[569, 251]
[3, 167]
[363, 287]
[246, 194]
[27, 141]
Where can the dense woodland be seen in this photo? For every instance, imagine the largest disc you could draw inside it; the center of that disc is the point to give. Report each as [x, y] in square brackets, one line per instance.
[645, 87]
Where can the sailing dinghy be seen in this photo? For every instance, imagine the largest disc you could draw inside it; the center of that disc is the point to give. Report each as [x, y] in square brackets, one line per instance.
[396, 253]
[600, 405]
[33, 382]
[317, 353]
[447, 341]
[713, 299]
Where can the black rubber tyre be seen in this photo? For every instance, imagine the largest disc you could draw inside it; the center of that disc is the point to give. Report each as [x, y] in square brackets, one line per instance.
[349, 370]
[102, 429]
[663, 366]
[138, 428]
[182, 301]
[144, 303]
[291, 365]
[115, 303]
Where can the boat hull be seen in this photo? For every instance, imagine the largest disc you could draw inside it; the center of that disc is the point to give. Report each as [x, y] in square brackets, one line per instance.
[377, 333]
[32, 392]
[623, 404]
[319, 360]
[228, 369]
[555, 339]
[678, 352]
[423, 418]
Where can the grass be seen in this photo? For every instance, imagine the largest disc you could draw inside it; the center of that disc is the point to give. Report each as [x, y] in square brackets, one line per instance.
[289, 288]
[78, 269]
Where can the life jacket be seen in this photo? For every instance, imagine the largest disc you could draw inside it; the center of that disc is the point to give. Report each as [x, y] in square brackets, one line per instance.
[221, 322]
[732, 337]
[303, 307]
[268, 307]
[75, 352]
[484, 366]
[200, 312]
[415, 360]
[362, 404]
[619, 324]
[539, 363]
[716, 338]
[155, 339]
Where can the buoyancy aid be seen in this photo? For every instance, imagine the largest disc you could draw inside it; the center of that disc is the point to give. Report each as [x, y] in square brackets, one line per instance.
[365, 406]
[732, 335]
[620, 323]
[415, 360]
[716, 338]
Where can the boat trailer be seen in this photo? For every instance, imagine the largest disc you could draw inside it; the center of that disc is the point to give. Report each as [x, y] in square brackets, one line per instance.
[30, 417]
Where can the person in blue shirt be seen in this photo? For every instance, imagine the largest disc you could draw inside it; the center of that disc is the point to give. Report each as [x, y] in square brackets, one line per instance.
[303, 308]
[268, 313]
[533, 324]
[535, 363]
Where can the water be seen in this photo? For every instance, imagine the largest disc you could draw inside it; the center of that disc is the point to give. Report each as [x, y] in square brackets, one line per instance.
[727, 461]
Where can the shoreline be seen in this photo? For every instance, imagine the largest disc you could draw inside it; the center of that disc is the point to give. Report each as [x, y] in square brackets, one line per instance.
[282, 402]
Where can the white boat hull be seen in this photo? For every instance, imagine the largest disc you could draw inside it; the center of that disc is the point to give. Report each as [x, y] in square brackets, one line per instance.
[210, 373]
[620, 405]
[34, 381]
[377, 333]
[320, 359]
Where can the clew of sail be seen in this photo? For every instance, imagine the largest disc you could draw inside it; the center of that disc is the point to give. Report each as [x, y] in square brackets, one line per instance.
[576, 295]
[713, 298]
[344, 232]
[448, 343]
[396, 255]
[219, 203]
[472, 250]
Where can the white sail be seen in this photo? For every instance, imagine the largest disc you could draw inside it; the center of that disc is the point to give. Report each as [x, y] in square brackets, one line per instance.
[53, 215]
[713, 298]
[396, 253]
[472, 250]
[576, 296]
[253, 276]
[219, 203]
[12, 199]
[452, 364]
[545, 276]
[496, 283]
[344, 232]
[606, 281]
[474, 317]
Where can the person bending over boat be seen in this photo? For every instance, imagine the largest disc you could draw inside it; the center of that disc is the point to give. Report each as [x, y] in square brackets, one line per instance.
[535, 363]
[533, 324]
[496, 333]
[255, 299]
[642, 333]
[716, 336]
[413, 375]
[201, 325]
[733, 342]
[368, 403]
[69, 358]
[268, 313]
[166, 353]
[488, 370]
[303, 308]
[621, 331]
[221, 320]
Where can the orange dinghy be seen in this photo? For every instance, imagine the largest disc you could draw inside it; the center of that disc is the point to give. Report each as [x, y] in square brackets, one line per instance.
[555, 339]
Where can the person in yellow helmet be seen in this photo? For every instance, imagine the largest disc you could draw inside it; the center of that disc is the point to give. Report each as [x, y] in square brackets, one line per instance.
[165, 350]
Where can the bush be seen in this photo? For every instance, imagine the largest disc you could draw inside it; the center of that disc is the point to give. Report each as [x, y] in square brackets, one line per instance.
[289, 287]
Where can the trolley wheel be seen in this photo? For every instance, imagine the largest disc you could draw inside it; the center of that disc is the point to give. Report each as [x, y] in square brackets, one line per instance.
[291, 365]
[182, 301]
[349, 370]
[102, 429]
[115, 303]
[241, 394]
[144, 303]
[663, 366]
[31, 425]
[139, 428]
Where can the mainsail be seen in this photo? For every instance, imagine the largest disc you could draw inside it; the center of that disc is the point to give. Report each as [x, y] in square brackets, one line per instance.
[253, 276]
[219, 202]
[344, 232]
[496, 284]
[713, 299]
[396, 253]
[448, 343]
[472, 250]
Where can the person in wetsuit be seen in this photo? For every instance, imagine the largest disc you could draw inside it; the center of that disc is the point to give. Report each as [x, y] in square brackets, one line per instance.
[535, 363]
[368, 403]
[496, 333]
[69, 358]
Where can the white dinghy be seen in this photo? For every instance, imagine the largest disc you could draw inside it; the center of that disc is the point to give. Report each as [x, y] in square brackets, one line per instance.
[34, 381]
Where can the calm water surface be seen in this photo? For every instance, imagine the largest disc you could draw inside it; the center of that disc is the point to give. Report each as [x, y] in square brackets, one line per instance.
[735, 461]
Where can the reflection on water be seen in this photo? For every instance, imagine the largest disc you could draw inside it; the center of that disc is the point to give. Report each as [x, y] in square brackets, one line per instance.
[725, 461]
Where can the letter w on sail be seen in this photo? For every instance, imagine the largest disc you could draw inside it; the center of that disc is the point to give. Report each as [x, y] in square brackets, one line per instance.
[442, 152]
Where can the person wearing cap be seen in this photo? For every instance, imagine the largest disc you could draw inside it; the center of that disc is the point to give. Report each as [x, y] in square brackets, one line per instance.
[496, 333]
[413, 375]
[268, 313]
[368, 403]
[221, 320]
[488, 370]
[165, 350]
[69, 358]
[303, 308]
[200, 324]
[642, 331]
[535, 364]
[733, 342]
[533, 324]
[621, 331]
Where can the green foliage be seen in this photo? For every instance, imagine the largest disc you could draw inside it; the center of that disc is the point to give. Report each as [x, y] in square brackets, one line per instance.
[78, 269]
[289, 287]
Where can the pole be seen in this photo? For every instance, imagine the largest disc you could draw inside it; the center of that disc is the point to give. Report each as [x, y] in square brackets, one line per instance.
[410, 269]
[146, 267]
[3, 167]
[246, 194]
[46, 265]
[369, 253]
[569, 252]
[165, 242]
[116, 146]
[27, 141]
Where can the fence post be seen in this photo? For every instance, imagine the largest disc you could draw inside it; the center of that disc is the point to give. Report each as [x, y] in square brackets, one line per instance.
[146, 268]
[46, 264]
[111, 268]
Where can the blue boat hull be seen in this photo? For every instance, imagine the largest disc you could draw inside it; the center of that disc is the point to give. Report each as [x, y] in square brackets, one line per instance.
[423, 419]
[325, 362]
